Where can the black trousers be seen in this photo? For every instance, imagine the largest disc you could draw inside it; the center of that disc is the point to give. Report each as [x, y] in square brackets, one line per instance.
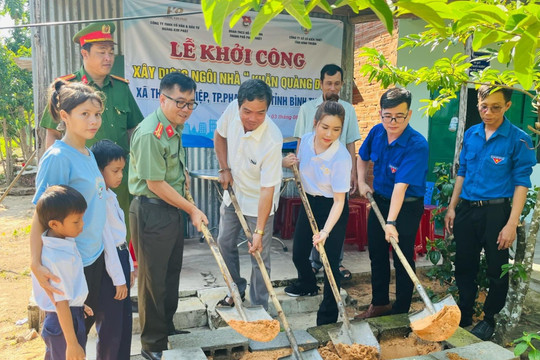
[303, 243]
[476, 228]
[114, 319]
[407, 227]
[157, 232]
[93, 274]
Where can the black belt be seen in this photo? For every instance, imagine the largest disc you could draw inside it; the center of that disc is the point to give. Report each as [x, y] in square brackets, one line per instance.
[480, 203]
[405, 200]
[145, 199]
[122, 246]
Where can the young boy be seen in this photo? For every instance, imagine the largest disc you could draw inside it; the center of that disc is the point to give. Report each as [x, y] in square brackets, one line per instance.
[114, 341]
[60, 210]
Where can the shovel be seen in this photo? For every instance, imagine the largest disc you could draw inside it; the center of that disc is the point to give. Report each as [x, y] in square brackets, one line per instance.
[437, 322]
[248, 321]
[306, 355]
[358, 333]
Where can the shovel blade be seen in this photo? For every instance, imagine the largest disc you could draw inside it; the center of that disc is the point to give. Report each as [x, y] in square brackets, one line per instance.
[361, 334]
[446, 301]
[312, 354]
[253, 313]
[438, 326]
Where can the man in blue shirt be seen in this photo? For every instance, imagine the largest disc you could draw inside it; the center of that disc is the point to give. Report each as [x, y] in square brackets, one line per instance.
[492, 182]
[400, 161]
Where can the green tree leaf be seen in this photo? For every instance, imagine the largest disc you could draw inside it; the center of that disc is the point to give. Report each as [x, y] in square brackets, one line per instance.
[428, 11]
[268, 11]
[524, 55]
[520, 348]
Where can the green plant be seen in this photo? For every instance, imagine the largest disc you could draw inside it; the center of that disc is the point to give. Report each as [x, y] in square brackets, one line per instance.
[526, 342]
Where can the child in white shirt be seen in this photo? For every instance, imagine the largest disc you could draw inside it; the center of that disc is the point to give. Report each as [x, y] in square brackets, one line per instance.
[60, 210]
[114, 342]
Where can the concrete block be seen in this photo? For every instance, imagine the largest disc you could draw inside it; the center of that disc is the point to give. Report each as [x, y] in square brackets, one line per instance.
[191, 313]
[301, 304]
[303, 339]
[136, 325]
[210, 297]
[392, 326]
[485, 350]
[183, 354]
[221, 344]
[462, 338]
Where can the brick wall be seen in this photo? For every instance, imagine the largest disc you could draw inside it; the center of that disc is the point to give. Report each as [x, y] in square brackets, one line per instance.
[371, 34]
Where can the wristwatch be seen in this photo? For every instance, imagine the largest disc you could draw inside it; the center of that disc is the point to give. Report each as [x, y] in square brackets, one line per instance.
[222, 170]
[257, 231]
[391, 222]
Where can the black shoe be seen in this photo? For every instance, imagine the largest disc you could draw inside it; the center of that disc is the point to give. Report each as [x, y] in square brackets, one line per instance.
[296, 290]
[228, 300]
[151, 355]
[483, 330]
[178, 332]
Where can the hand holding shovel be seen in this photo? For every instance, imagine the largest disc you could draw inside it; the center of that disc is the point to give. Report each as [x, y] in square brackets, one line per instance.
[437, 322]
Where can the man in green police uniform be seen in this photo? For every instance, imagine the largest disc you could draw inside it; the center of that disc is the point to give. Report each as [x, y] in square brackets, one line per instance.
[157, 176]
[121, 113]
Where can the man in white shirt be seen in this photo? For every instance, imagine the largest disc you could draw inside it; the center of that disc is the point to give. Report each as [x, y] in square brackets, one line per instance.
[331, 83]
[248, 148]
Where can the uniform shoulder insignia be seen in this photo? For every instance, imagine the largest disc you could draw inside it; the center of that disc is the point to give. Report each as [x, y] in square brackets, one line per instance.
[159, 130]
[169, 130]
[120, 78]
[67, 77]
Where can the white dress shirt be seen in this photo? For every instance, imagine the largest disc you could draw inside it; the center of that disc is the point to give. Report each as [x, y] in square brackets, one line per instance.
[62, 258]
[114, 234]
[254, 158]
[326, 173]
[306, 118]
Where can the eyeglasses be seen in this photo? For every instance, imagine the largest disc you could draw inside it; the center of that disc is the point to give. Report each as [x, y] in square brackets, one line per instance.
[399, 119]
[495, 109]
[182, 103]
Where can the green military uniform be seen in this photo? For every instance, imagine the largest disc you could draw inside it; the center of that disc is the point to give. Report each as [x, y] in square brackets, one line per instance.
[121, 114]
[159, 155]
[157, 228]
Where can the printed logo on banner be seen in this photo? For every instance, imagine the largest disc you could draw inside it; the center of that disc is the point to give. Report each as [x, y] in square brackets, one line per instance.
[246, 21]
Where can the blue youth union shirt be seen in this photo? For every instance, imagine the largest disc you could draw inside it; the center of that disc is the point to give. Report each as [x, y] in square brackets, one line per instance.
[493, 168]
[405, 160]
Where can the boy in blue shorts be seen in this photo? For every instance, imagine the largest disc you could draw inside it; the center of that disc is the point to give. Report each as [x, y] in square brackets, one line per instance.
[114, 342]
[60, 210]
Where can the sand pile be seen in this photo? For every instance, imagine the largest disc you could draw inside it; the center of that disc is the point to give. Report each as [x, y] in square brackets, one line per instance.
[259, 330]
[348, 352]
[454, 356]
[409, 346]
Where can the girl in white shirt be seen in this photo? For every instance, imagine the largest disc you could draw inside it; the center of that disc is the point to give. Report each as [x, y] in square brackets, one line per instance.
[325, 171]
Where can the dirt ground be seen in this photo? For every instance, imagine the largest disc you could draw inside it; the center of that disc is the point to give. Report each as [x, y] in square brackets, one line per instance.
[15, 282]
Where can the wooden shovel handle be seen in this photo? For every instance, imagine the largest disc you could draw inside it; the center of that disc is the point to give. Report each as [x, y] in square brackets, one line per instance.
[221, 263]
[266, 277]
[402, 258]
[322, 252]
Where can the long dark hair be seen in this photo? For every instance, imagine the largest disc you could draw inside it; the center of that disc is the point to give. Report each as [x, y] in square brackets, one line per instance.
[68, 95]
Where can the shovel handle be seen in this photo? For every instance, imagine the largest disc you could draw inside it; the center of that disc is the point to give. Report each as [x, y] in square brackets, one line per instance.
[402, 258]
[322, 253]
[266, 277]
[221, 263]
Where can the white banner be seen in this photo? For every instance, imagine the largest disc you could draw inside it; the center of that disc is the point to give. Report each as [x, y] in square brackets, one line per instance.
[285, 55]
